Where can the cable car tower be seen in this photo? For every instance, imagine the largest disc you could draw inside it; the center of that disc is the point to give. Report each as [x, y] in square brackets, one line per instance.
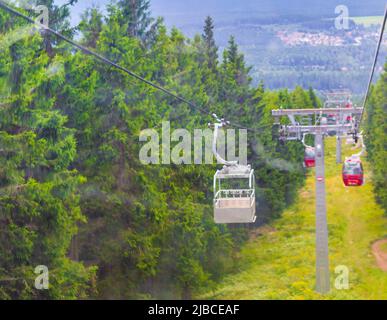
[322, 128]
[337, 98]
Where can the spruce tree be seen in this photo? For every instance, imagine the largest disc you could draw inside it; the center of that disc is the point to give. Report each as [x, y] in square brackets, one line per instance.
[136, 15]
[210, 45]
[313, 98]
[58, 20]
[91, 26]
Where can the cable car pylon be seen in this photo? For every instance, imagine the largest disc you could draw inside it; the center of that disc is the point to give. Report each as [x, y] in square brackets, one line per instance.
[322, 128]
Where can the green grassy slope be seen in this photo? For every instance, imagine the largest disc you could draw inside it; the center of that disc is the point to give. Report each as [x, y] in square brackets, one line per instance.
[279, 260]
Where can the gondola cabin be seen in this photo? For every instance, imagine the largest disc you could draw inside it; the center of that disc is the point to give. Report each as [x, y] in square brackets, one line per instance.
[234, 195]
[353, 172]
[331, 119]
[310, 158]
[348, 118]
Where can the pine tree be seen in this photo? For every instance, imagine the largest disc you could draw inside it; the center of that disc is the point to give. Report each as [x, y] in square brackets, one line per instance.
[58, 20]
[91, 26]
[313, 98]
[136, 16]
[234, 63]
[211, 50]
[231, 54]
[301, 98]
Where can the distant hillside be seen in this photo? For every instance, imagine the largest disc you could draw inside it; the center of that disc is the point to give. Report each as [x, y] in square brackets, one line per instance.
[180, 12]
[320, 56]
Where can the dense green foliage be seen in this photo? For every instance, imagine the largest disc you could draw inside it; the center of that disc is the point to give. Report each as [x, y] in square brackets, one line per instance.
[376, 137]
[39, 197]
[74, 194]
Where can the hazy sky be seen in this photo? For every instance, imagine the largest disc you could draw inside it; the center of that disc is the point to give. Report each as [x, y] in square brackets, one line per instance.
[186, 12]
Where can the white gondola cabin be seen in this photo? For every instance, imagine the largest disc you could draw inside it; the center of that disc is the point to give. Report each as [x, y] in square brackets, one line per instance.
[234, 204]
[234, 190]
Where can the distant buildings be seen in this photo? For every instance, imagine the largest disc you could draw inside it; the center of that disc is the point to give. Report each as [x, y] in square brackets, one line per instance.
[298, 38]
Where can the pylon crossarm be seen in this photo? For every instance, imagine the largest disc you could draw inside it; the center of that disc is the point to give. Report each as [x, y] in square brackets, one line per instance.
[301, 112]
[322, 128]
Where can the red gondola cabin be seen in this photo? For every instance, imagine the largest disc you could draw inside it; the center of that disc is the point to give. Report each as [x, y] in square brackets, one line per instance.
[310, 158]
[353, 172]
[348, 117]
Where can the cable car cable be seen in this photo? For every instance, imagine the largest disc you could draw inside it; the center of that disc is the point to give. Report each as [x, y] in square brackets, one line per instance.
[374, 65]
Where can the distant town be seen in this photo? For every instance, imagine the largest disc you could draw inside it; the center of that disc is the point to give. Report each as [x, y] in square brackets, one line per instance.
[354, 38]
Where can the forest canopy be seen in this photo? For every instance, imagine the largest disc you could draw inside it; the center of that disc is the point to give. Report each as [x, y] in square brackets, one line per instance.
[74, 195]
[376, 137]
